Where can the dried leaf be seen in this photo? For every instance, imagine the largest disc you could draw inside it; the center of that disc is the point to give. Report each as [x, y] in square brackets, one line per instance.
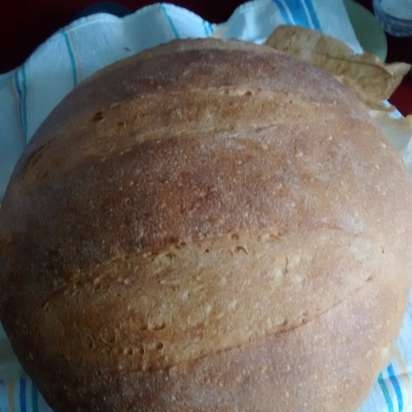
[371, 79]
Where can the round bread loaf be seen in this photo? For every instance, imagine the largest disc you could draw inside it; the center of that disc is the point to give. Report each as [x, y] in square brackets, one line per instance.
[206, 227]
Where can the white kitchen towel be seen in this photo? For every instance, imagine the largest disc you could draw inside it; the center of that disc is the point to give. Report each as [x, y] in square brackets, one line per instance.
[31, 91]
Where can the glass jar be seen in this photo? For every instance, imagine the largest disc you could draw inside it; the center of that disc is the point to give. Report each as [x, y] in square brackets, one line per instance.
[395, 16]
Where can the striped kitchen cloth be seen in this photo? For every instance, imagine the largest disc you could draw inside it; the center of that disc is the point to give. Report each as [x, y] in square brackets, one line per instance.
[31, 91]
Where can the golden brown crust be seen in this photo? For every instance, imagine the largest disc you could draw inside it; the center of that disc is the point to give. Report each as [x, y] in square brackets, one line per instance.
[327, 364]
[181, 227]
[209, 308]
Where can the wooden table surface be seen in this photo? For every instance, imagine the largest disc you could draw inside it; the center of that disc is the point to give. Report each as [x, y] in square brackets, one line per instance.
[25, 24]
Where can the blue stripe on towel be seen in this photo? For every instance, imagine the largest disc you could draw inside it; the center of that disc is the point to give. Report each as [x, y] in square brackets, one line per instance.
[20, 83]
[385, 393]
[206, 28]
[22, 395]
[396, 387]
[71, 57]
[298, 12]
[312, 13]
[169, 20]
[284, 11]
[34, 398]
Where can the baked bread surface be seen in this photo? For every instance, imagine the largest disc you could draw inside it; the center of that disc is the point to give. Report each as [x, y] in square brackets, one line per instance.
[206, 227]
